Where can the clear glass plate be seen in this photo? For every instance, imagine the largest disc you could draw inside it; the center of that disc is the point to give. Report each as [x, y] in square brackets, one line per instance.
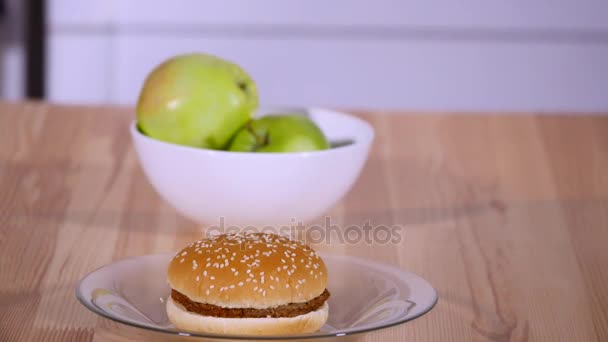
[365, 296]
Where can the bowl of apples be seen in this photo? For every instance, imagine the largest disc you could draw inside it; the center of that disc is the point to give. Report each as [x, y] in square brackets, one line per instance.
[212, 154]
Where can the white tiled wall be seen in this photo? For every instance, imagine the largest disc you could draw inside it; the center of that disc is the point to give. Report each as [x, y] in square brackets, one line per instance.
[432, 55]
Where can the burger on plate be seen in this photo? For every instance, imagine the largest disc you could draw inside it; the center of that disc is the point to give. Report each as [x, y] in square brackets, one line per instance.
[248, 284]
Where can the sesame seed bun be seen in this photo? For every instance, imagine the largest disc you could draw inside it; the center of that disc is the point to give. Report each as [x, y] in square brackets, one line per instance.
[305, 323]
[254, 270]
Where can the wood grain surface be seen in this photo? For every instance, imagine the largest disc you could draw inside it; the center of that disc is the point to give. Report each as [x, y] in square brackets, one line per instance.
[507, 216]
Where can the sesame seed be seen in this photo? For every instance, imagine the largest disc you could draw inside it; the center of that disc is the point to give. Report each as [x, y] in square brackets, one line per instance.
[212, 286]
[212, 278]
[240, 283]
[271, 287]
[184, 253]
[198, 278]
[182, 260]
[286, 285]
[236, 273]
[255, 281]
[207, 292]
[231, 286]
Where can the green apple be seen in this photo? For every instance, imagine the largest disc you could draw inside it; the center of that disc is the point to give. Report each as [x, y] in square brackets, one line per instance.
[196, 100]
[279, 133]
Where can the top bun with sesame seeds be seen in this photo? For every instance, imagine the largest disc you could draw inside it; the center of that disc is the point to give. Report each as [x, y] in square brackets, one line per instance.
[255, 270]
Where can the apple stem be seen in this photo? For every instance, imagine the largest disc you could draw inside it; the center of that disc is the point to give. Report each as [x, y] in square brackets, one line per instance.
[261, 140]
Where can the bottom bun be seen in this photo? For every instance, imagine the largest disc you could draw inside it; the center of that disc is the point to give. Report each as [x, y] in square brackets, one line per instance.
[307, 323]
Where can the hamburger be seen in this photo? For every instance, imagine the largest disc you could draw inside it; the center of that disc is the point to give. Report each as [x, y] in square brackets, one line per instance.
[248, 283]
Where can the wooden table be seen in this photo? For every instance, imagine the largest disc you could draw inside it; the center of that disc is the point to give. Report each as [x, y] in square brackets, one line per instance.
[507, 216]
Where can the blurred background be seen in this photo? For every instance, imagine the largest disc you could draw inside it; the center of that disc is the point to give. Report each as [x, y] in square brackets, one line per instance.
[436, 55]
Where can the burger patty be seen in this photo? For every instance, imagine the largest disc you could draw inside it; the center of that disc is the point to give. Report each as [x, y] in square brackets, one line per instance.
[287, 310]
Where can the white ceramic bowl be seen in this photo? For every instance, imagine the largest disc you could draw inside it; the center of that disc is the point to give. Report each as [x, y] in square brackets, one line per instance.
[258, 189]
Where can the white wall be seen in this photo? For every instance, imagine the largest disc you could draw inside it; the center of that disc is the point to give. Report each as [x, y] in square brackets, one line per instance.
[518, 55]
